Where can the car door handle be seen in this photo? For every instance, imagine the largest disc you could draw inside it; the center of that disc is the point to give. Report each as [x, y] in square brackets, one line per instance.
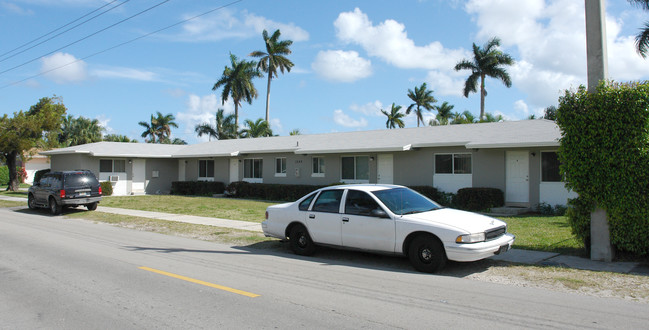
[311, 216]
[345, 219]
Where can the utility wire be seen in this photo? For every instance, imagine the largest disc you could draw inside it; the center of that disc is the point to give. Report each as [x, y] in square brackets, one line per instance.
[48, 39]
[123, 43]
[61, 27]
[86, 37]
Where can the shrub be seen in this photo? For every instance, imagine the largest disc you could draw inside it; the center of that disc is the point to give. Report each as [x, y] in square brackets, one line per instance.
[4, 174]
[547, 209]
[274, 192]
[197, 188]
[428, 191]
[106, 188]
[579, 218]
[605, 160]
[479, 199]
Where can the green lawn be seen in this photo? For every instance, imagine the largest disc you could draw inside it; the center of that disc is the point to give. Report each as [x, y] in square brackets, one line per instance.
[226, 208]
[3, 192]
[544, 233]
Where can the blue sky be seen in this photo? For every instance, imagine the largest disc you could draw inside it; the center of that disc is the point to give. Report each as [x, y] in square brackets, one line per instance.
[352, 58]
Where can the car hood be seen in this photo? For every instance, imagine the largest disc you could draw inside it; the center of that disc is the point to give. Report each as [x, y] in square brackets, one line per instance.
[463, 220]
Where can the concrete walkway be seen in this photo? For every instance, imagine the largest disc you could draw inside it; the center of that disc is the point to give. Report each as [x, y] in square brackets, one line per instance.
[514, 255]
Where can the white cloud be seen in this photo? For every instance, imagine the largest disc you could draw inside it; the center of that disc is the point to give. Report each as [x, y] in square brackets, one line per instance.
[276, 126]
[227, 24]
[521, 108]
[126, 73]
[338, 65]
[201, 110]
[446, 83]
[63, 68]
[389, 42]
[345, 120]
[103, 122]
[15, 9]
[368, 109]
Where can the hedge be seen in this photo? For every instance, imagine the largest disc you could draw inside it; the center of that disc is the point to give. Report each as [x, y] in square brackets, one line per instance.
[106, 188]
[197, 188]
[273, 192]
[604, 155]
[479, 199]
[4, 174]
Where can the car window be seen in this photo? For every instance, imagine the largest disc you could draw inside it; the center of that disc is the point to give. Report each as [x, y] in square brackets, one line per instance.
[80, 179]
[45, 180]
[55, 181]
[304, 205]
[328, 201]
[405, 201]
[360, 203]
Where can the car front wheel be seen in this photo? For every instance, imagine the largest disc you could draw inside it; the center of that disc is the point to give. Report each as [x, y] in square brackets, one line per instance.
[300, 241]
[55, 208]
[426, 254]
[31, 202]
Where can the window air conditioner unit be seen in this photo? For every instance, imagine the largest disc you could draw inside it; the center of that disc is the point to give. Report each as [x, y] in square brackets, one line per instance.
[113, 178]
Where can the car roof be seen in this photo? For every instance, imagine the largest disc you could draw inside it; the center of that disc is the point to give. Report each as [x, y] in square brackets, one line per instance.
[364, 187]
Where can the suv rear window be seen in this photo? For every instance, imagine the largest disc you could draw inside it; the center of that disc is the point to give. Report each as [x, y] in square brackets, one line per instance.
[80, 179]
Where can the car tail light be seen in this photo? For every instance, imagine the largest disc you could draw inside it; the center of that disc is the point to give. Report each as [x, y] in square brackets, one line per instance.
[62, 193]
[100, 190]
[266, 215]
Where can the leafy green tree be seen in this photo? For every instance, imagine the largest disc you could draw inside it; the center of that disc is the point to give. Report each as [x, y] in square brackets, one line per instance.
[258, 128]
[237, 83]
[295, 132]
[531, 117]
[25, 130]
[444, 113]
[117, 138]
[77, 131]
[550, 113]
[222, 130]
[167, 140]
[487, 61]
[422, 98]
[491, 118]
[465, 117]
[642, 38]
[394, 117]
[272, 59]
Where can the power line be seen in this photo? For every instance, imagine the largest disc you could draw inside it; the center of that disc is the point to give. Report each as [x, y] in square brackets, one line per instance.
[61, 27]
[123, 43]
[86, 37]
[48, 39]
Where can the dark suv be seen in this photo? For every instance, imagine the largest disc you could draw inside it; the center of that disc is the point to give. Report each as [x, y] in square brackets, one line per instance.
[56, 190]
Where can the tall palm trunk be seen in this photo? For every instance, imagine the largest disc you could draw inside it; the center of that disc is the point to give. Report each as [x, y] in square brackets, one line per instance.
[482, 96]
[236, 120]
[270, 76]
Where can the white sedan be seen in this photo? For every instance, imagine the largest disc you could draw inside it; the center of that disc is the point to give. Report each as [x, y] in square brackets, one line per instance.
[386, 219]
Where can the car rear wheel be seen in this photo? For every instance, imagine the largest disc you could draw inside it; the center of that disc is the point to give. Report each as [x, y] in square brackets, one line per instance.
[300, 241]
[55, 208]
[426, 254]
[31, 202]
[92, 206]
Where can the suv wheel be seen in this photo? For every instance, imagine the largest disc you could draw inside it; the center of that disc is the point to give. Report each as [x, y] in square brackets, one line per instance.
[55, 208]
[92, 206]
[31, 202]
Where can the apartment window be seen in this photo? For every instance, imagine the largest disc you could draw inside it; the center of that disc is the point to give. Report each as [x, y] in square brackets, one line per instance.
[550, 167]
[356, 168]
[318, 166]
[280, 166]
[453, 164]
[252, 168]
[112, 165]
[205, 169]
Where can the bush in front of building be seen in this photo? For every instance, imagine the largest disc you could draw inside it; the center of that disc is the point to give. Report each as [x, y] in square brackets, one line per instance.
[267, 191]
[428, 191]
[479, 199]
[197, 188]
[106, 188]
[4, 174]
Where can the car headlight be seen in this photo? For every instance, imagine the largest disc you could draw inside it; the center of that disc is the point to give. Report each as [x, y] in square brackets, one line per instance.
[470, 238]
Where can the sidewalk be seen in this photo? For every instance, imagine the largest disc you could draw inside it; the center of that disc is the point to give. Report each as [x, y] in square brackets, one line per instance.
[514, 255]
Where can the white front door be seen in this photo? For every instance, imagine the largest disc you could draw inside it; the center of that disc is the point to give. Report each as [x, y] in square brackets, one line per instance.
[139, 180]
[234, 170]
[517, 183]
[181, 169]
[385, 172]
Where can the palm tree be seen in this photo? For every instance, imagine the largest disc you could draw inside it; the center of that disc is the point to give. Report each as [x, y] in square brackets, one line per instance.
[163, 124]
[642, 39]
[394, 117]
[295, 132]
[258, 128]
[422, 98]
[117, 138]
[222, 130]
[444, 113]
[237, 83]
[77, 131]
[465, 117]
[150, 130]
[487, 61]
[491, 118]
[272, 59]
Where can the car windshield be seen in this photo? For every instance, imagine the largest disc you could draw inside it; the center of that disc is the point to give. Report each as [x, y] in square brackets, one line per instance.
[403, 201]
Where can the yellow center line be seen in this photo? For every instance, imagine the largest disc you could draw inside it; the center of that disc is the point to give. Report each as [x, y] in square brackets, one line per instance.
[189, 279]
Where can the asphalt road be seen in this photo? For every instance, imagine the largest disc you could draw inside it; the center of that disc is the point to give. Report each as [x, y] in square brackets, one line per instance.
[61, 273]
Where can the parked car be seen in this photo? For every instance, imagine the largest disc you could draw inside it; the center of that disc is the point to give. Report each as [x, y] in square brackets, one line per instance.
[57, 190]
[386, 219]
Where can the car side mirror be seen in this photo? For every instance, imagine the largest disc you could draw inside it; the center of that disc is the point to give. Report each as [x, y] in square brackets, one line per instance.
[379, 213]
